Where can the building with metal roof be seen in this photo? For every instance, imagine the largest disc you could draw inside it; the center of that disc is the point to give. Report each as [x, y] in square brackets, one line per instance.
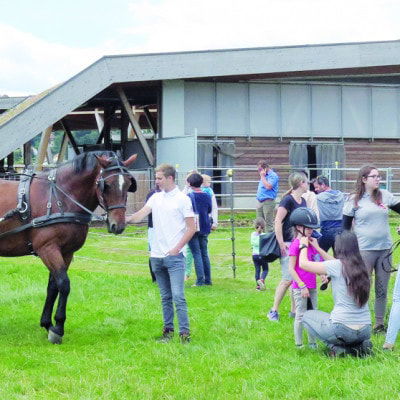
[295, 105]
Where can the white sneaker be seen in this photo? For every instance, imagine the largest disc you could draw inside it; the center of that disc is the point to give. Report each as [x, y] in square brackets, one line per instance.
[261, 284]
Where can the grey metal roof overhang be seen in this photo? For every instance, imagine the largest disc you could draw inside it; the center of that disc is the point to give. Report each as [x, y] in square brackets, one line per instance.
[232, 64]
[9, 102]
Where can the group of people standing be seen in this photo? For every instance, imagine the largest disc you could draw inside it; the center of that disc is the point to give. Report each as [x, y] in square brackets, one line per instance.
[357, 253]
[357, 228]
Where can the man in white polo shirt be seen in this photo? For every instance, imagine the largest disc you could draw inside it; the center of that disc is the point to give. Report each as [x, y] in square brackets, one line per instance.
[173, 223]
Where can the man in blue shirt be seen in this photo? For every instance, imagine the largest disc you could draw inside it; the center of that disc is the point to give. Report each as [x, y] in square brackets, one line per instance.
[330, 206]
[266, 194]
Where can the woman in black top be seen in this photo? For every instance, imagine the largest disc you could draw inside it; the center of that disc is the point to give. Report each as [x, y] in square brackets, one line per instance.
[290, 201]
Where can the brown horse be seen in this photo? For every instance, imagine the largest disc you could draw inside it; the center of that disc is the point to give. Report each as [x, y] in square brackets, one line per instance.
[53, 222]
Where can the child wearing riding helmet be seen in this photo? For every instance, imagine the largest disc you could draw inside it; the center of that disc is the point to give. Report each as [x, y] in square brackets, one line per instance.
[304, 284]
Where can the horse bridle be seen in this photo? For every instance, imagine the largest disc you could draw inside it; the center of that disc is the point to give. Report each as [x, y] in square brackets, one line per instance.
[122, 170]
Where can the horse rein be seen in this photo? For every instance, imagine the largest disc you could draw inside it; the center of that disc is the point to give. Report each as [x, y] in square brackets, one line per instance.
[395, 245]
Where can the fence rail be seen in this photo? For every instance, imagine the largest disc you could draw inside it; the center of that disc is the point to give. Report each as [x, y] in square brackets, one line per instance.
[239, 190]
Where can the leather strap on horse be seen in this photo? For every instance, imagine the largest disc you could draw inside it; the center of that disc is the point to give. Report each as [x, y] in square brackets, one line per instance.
[45, 220]
[23, 204]
[53, 192]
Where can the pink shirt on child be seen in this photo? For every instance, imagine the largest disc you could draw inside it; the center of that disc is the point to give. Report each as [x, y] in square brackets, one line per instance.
[309, 278]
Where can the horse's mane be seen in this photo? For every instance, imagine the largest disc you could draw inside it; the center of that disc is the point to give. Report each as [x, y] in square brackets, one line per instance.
[88, 160]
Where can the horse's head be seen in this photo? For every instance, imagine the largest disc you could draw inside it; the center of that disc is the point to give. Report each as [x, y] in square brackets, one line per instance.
[113, 185]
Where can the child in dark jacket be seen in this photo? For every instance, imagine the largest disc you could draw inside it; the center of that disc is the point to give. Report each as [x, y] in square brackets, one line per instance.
[201, 203]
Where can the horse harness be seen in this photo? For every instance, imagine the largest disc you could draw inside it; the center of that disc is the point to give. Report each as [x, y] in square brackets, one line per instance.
[101, 185]
[23, 209]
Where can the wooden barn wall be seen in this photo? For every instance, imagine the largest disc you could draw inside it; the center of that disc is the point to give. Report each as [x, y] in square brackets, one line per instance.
[382, 153]
[250, 151]
[379, 153]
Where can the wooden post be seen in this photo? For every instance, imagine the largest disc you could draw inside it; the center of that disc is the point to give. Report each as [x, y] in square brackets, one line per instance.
[10, 162]
[135, 125]
[106, 132]
[99, 120]
[124, 133]
[106, 128]
[68, 132]
[63, 149]
[131, 131]
[44, 143]
[150, 119]
[27, 153]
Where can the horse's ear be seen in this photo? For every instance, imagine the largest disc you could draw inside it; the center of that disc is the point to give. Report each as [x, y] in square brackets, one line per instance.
[103, 160]
[130, 160]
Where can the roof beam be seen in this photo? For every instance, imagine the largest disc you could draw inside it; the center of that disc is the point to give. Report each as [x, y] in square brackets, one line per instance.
[150, 119]
[66, 129]
[135, 125]
[63, 149]
[43, 146]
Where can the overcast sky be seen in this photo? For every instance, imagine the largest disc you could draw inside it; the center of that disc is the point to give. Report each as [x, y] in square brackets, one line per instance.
[45, 42]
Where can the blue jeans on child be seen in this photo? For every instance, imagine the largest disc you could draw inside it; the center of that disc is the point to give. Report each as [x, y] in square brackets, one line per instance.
[198, 246]
[170, 276]
[260, 263]
[394, 319]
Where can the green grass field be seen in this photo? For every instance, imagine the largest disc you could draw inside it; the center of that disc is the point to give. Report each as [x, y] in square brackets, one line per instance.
[114, 315]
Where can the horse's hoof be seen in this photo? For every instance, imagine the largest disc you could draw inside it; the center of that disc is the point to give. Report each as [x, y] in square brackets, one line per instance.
[54, 338]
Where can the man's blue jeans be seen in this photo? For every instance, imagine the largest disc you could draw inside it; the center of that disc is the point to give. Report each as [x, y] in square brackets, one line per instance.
[327, 240]
[170, 277]
[198, 246]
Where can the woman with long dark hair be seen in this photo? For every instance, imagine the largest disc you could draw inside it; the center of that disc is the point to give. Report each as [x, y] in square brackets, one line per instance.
[367, 211]
[347, 329]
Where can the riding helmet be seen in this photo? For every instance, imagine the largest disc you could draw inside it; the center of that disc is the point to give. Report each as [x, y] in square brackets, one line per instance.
[304, 216]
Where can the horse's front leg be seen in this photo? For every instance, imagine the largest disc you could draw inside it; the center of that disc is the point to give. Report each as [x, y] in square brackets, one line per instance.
[58, 284]
[56, 332]
[52, 293]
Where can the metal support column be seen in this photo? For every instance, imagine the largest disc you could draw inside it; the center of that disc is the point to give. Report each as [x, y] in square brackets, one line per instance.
[229, 174]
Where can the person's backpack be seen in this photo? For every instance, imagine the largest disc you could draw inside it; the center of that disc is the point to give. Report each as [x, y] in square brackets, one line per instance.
[269, 247]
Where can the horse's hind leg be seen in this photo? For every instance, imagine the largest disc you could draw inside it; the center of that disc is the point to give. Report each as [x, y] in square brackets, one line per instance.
[52, 293]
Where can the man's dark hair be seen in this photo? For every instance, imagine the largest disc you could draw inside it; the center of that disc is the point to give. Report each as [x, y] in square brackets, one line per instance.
[322, 180]
[195, 180]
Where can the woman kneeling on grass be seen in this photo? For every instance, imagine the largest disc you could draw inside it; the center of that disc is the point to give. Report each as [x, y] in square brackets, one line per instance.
[347, 329]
